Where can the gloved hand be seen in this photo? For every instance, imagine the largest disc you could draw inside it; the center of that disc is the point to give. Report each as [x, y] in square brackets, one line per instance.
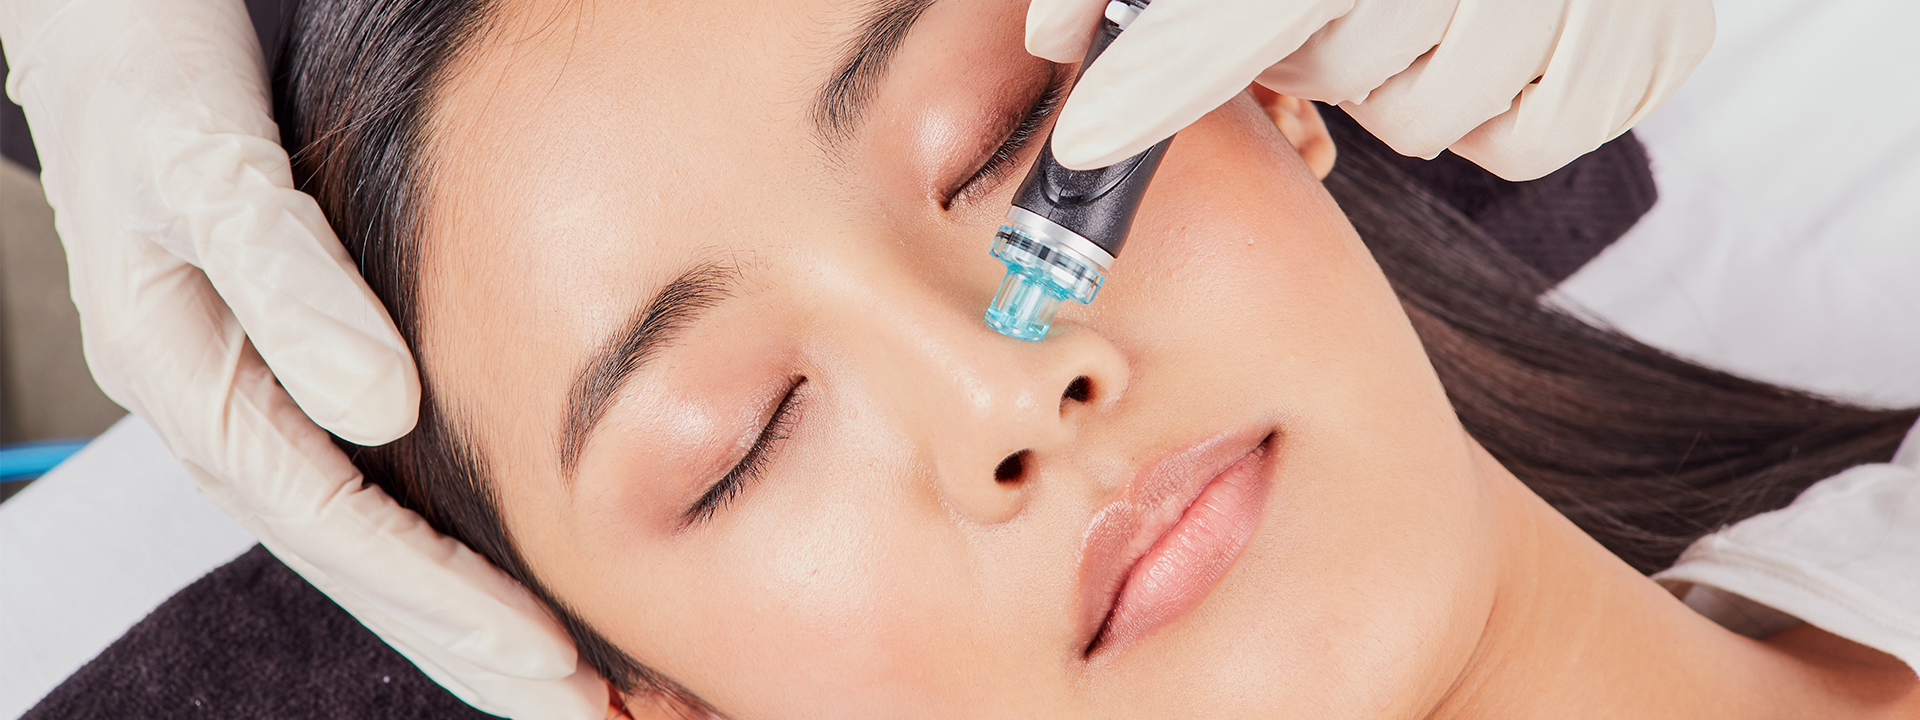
[1422, 75]
[195, 266]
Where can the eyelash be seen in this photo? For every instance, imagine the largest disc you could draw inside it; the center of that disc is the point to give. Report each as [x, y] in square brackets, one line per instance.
[753, 465]
[1004, 157]
[780, 426]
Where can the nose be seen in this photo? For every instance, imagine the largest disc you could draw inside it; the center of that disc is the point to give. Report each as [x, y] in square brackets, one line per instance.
[981, 417]
[1017, 408]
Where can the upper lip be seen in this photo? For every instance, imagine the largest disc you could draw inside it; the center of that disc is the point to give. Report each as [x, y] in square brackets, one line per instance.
[1151, 504]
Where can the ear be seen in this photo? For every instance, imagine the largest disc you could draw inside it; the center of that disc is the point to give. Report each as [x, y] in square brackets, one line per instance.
[616, 704]
[620, 706]
[1299, 120]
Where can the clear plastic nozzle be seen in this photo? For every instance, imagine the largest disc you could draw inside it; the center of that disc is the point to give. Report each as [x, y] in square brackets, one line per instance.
[1040, 275]
[1024, 307]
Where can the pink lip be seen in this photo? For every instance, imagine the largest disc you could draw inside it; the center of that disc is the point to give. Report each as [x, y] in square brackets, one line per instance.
[1157, 552]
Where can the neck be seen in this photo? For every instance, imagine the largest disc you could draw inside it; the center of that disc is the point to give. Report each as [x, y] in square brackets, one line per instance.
[1577, 633]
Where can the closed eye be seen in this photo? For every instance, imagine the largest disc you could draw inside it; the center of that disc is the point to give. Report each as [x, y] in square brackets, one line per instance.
[753, 465]
[993, 171]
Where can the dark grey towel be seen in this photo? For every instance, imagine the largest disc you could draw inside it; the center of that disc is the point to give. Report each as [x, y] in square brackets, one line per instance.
[250, 640]
[1556, 223]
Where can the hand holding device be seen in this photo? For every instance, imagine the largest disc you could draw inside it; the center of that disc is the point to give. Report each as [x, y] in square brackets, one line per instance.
[1520, 87]
[1066, 227]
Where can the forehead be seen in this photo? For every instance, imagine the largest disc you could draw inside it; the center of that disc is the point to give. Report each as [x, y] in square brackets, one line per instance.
[560, 94]
[574, 152]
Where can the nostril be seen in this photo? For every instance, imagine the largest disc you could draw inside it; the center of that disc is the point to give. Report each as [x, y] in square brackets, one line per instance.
[1079, 390]
[1012, 468]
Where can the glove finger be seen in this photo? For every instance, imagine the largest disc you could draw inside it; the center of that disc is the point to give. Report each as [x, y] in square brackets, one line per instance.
[579, 696]
[269, 251]
[1178, 61]
[1611, 69]
[212, 164]
[1490, 52]
[1059, 30]
[209, 395]
[1356, 53]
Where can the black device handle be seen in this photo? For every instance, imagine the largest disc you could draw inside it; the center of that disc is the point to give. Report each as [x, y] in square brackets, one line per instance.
[1097, 204]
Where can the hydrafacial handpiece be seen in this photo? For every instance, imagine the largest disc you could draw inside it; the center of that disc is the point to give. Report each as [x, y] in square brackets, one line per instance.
[1066, 226]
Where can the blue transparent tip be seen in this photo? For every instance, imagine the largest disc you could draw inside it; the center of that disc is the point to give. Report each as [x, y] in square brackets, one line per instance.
[1039, 277]
[1025, 305]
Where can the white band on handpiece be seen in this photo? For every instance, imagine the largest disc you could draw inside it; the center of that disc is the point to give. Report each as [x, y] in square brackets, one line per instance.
[1121, 13]
[1061, 237]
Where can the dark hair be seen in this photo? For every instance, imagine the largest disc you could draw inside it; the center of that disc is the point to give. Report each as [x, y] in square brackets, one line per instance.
[353, 96]
[1644, 451]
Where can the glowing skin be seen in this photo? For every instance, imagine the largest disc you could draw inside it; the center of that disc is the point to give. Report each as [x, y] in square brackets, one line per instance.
[1387, 567]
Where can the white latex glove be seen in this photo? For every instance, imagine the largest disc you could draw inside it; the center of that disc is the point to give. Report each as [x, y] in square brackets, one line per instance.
[189, 249]
[1422, 75]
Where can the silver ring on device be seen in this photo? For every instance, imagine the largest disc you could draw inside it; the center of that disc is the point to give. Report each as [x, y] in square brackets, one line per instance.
[1060, 236]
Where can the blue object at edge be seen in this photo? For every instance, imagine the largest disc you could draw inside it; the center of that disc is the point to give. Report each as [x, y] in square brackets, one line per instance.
[28, 460]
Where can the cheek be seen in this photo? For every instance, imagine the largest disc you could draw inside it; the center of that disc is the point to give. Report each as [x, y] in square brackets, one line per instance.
[1233, 228]
[827, 594]
[1246, 275]
[843, 586]
[827, 584]
[1246, 264]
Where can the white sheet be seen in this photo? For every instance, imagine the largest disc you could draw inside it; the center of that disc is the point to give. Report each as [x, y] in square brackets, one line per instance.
[1786, 243]
[1786, 246]
[92, 547]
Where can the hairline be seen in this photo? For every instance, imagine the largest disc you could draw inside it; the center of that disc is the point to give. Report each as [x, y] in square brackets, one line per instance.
[408, 136]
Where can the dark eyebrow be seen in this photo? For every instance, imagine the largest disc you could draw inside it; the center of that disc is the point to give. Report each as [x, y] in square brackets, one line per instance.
[678, 304]
[842, 102]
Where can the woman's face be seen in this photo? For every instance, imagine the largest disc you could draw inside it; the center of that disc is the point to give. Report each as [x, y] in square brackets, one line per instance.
[785, 482]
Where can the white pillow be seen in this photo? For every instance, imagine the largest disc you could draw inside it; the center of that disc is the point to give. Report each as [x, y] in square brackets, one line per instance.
[1786, 242]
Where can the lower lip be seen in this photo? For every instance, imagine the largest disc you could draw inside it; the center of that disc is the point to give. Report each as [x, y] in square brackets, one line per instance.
[1184, 565]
